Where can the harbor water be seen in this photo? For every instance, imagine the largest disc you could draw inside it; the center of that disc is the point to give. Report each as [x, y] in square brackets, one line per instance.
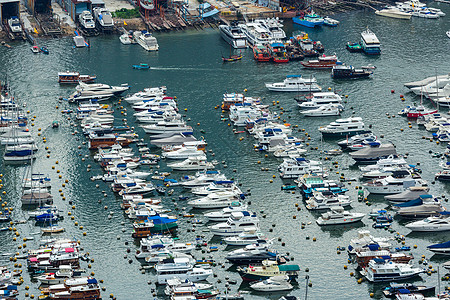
[189, 63]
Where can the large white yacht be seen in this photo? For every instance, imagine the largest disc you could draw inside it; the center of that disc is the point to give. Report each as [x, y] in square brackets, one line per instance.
[182, 269]
[441, 223]
[238, 222]
[393, 185]
[295, 167]
[86, 20]
[380, 270]
[256, 34]
[320, 99]
[215, 200]
[146, 40]
[104, 18]
[233, 35]
[343, 127]
[295, 83]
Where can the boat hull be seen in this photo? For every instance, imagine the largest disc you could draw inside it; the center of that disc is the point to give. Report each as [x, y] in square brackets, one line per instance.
[339, 134]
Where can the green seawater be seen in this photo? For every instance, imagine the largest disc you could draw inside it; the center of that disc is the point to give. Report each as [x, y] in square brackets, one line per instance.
[189, 64]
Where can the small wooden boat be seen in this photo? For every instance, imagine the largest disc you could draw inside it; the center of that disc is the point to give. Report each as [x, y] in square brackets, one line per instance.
[232, 58]
[44, 50]
[52, 229]
[35, 49]
[141, 66]
[354, 47]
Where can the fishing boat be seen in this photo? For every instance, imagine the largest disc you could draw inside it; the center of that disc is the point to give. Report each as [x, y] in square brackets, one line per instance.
[141, 66]
[232, 58]
[273, 284]
[337, 216]
[268, 269]
[353, 47]
[380, 270]
[322, 62]
[309, 20]
[261, 53]
[349, 72]
[295, 83]
[44, 49]
[74, 77]
[277, 53]
[370, 43]
[330, 22]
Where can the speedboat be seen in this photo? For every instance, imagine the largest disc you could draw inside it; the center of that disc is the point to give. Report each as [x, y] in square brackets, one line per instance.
[442, 248]
[233, 35]
[357, 139]
[324, 111]
[238, 222]
[380, 270]
[125, 39]
[295, 83]
[326, 200]
[343, 127]
[225, 214]
[330, 22]
[337, 215]
[273, 284]
[192, 164]
[431, 224]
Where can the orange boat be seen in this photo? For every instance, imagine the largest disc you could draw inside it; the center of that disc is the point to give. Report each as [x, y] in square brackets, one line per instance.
[261, 53]
[322, 62]
[278, 54]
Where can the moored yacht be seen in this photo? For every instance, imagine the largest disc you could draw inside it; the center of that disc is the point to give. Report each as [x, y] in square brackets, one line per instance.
[380, 270]
[431, 224]
[192, 163]
[233, 35]
[215, 200]
[146, 40]
[326, 200]
[238, 222]
[337, 215]
[319, 99]
[397, 183]
[343, 127]
[295, 167]
[180, 268]
[295, 83]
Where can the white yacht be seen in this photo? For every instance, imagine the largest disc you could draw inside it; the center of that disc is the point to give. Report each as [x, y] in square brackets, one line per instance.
[324, 111]
[204, 178]
[166, 127]
[247, 237]
[104, 18]
[326, 200]
[182, 269]
[343, 127]
[64, 272]
[146, 40]
[273, 284]
[295, 167]
[441, 223]
[337, 215]
[295, 83]
[183, 153]
[103, 88]
[290, 150]
[215, 200]
[233, 35]
[364, 238]
[320, 99]
[380, 270]
[147, 94]
[256, 34]
[14, 25]
[192, 164]
[225, 213]
[239, 114]
[156, 243]
[238, 222]
[86, 20]
[216, 186]
[394, 12]
[393, 185]
[125, 39]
